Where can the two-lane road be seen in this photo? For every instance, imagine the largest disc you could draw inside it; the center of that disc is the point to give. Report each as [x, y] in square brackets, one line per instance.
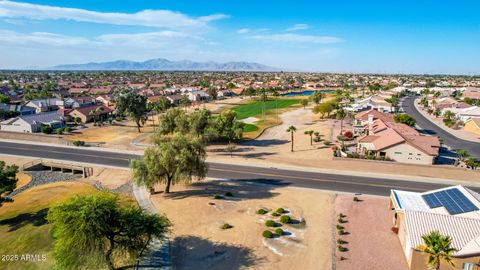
[273, 176]
[431, 128]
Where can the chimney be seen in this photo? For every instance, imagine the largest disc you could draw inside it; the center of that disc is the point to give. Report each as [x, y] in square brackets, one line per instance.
[370, 118]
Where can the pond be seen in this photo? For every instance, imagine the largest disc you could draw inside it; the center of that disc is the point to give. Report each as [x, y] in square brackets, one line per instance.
[304, 93]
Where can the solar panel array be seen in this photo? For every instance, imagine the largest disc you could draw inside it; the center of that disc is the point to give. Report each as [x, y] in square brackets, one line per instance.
[452, 199]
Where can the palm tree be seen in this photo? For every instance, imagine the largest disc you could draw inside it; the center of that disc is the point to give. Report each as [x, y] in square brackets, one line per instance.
[463, 154]
[292, 129]
[309, 132]
[437, 248]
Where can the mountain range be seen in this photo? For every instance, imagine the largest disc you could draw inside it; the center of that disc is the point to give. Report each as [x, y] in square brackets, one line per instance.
[164, 64]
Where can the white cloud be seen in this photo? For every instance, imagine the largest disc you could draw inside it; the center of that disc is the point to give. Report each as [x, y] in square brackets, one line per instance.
[244, 30]
[152, 18]
[150, 40]
[298, 26]
[296, 38]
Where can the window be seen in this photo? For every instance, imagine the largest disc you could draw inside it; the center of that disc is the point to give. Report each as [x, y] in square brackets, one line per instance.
[467, 266]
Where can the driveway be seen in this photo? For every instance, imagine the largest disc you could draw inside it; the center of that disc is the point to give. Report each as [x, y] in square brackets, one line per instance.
[431, 128]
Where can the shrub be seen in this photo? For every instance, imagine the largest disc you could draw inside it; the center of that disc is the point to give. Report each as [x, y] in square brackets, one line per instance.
[279, 231]
[341, 220]
[285, 219]
[280, 210]
[348, 134]
[59, 131]
[275, 214]
[262, 211]
[229, 194]
[342, 249]
[342, 215]
[226, 226]
[342, 232]
[327, 143]
[68, 129]
[270, 223]
[217, 196]
[356, 199]
[46, 129]
[340, 227]
[267, 234]
[78, 143]
[341, 242]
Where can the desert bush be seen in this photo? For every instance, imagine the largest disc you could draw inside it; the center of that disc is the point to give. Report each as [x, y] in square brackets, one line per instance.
[68, 129]
[342, 249]
[78, 143]
[279, 231]
[59, 131]
[280, 210]
[340, 227]
[226, 226]
[217, 197]
[46, 129]
[275, 214]
[342, 232]
[285, 219]
[327, 143]
[267, 234]
[229, 194]
[270, 223]
[341, 242]
[262, 211]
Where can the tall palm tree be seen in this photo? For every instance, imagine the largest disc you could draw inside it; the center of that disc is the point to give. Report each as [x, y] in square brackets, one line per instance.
[292, 129]
[437, 248]
[309, 132]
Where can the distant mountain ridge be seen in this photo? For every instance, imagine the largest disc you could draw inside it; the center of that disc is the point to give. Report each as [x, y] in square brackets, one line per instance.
[167, 65]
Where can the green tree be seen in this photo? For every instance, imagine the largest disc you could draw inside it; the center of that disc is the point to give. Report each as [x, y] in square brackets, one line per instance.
[310, 133]
[317, 97]
[212, 92]
[129, 102]
[95, 230]
[228, 126]
[472, 163]
[162, 104]
[304, 103]
[404, 119]
[448, 115]
[170, 161]
[199, 121]
[462, 154]
[184, 101]
[8, 179]
[291, 129]
[4, 99]
[438, 248]
[324, 108]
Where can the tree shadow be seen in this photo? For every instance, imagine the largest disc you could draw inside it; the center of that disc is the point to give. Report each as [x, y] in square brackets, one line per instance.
[265, 143]
[192, 252]
[37, 219]
[240, 188]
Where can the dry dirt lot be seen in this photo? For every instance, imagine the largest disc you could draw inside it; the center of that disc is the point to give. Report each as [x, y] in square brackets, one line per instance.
[199, 243]
[371, 243]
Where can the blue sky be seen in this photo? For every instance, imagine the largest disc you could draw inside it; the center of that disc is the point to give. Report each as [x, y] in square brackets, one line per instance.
[331, 36]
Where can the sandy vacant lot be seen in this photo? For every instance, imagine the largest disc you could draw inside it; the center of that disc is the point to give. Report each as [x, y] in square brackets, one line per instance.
[199, 243]
[371, 243]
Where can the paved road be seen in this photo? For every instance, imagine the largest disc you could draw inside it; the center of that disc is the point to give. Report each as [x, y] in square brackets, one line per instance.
[275, 176]
[448, 139]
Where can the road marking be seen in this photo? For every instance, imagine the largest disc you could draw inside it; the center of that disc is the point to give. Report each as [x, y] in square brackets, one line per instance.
[315, 179]
[63, 152]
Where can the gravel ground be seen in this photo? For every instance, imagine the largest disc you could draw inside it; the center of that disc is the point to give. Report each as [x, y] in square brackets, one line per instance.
[44, 177]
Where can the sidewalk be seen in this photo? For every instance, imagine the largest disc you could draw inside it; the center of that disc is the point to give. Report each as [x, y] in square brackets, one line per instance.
[160, 257]
[460, 134]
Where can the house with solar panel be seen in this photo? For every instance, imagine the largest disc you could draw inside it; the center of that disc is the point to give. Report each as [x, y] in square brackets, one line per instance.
[453, 211]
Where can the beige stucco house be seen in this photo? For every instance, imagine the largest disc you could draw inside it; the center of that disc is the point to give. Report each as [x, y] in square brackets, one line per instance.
[453, 211]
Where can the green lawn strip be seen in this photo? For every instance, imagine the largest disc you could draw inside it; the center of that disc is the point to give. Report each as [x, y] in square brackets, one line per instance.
[255, 108]
[250, 128]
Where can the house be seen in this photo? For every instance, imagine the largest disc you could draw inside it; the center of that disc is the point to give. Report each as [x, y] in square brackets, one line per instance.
[17, 109]
[45, 105]
[453, 211]
[198, 95]
[472, 93]
[174, 99]
[33, 123]
[106, 100]
[77, 102]
[383, 137]
[90, 113]
[473, 125]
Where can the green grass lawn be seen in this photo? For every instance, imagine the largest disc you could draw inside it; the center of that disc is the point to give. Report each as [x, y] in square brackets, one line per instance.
[249, 128]
[255, 108]
[23, 225]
